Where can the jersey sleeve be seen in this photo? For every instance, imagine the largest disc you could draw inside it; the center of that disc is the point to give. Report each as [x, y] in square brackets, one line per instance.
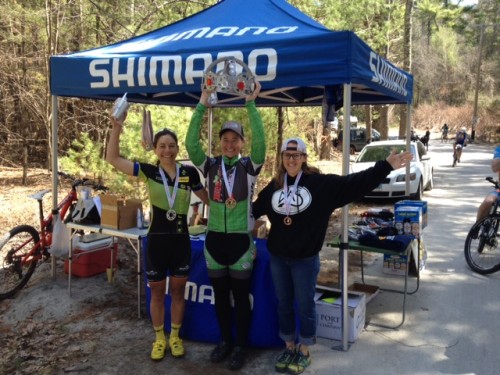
[194, 178]
[258, 148]
[193, 145]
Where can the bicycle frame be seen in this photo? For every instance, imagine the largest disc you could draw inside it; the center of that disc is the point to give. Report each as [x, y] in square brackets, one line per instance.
[40, 249]
[24, 245]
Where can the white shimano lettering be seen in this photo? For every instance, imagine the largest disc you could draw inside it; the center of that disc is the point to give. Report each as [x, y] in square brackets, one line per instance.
[96, 72]
[197, 33]
[222, 31]
[128, 76]
[200, 33]
[173, 69]
[386, 75]
[282, 30]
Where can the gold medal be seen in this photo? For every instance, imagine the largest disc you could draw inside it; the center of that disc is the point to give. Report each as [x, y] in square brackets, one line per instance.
[287, 220]
[230, 203]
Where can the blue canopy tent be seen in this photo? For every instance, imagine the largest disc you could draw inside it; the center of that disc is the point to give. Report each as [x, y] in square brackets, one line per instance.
[298, 62]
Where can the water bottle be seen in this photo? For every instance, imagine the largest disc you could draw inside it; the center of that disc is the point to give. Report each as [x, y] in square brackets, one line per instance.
[120, 107]
[212, 99]
[139, 219]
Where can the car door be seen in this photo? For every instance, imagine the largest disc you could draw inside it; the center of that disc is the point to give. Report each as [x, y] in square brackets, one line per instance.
[425, 161]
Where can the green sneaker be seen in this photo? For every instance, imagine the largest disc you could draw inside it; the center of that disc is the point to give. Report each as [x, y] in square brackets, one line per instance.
[299, 363]
[284, 359]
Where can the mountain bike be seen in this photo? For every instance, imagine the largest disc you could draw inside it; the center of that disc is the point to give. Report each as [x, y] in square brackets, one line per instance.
[444, 135]
[457, 154]
[22, 247]
[481, 249]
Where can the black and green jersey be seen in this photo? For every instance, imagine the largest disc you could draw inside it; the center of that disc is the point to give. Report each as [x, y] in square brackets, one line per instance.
[221, 218]
[189, 180]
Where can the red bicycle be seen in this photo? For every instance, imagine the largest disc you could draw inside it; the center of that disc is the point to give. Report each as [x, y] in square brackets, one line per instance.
[22, 247]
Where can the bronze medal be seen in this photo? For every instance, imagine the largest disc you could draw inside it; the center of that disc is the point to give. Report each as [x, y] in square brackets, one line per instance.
[287, 220]
[230, 203]
[171, 215]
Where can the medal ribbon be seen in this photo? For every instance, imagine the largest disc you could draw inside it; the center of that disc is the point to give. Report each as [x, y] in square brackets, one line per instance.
[228, 182]
[289, 198]
[170, 198]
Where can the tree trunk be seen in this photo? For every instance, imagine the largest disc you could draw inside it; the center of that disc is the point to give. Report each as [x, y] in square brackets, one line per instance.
[407, 61]
[280, 137]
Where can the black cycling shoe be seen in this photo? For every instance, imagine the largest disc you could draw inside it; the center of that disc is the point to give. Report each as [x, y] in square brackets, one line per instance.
[237, 358]
[220, 352]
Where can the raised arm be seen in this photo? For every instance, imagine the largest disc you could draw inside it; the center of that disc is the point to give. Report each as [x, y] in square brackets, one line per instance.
[258, 147]
[193, 145]
[113, 150]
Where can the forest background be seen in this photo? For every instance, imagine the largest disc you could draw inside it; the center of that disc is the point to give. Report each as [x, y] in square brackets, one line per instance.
[450, 48]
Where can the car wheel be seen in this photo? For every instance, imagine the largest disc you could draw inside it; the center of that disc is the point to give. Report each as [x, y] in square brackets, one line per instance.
[418, 194]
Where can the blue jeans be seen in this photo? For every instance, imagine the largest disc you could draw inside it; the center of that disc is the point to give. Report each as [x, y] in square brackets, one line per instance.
[295, 282]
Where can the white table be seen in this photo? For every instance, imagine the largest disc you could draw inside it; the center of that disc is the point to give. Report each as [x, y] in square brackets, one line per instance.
[132, 235]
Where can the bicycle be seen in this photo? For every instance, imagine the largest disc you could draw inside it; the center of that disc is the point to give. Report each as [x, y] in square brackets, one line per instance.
[457, 154]
[481, 245]
[22, 247]
[444, 135]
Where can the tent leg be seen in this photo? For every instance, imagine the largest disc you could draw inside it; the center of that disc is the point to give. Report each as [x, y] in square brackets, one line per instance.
[55, 125]
[344, 257]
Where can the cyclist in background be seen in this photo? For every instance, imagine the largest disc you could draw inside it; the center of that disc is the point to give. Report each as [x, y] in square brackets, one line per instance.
[459, 144]
[493, 195]
[444, 133]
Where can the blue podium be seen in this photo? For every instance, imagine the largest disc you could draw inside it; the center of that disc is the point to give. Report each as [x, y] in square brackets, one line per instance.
[200, 323]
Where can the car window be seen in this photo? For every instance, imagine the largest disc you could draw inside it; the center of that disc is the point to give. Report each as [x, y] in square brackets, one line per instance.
[357, 134]
[371, 154]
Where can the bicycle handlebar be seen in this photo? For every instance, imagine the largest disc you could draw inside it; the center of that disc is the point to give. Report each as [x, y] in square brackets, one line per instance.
[82, 182]
[492, 180]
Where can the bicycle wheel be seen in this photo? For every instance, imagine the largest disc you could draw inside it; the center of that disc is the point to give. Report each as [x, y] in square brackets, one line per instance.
[16, 267]
[481, 246]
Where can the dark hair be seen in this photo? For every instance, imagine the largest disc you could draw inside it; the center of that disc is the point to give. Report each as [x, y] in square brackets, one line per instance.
[163, 132]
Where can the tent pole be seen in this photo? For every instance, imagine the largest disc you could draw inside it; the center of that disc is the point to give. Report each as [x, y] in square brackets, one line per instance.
[408, 139]
[343, 248]
[54, 130]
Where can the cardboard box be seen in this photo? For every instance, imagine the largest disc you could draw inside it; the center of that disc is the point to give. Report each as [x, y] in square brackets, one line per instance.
[422, 204]
[92, 258]
[408, 220]
[329, 313]
[260, 229]
[119, 213]
[396, 264]
[370, 291]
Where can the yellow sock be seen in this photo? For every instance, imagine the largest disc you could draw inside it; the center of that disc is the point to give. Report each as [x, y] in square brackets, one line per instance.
[160, 333]
[174, 331]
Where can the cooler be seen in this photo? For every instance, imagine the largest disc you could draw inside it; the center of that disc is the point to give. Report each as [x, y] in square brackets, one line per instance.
[92, 255]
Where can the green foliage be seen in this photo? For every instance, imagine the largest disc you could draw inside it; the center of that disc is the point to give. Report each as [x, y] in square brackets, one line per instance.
[84, 158]
[445, 43]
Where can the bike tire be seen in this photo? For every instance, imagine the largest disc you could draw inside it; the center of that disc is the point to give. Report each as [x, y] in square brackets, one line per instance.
[14, 246]
[481, 249]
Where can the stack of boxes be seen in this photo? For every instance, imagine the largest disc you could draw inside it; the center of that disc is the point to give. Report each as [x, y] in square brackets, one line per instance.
[410, 218]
